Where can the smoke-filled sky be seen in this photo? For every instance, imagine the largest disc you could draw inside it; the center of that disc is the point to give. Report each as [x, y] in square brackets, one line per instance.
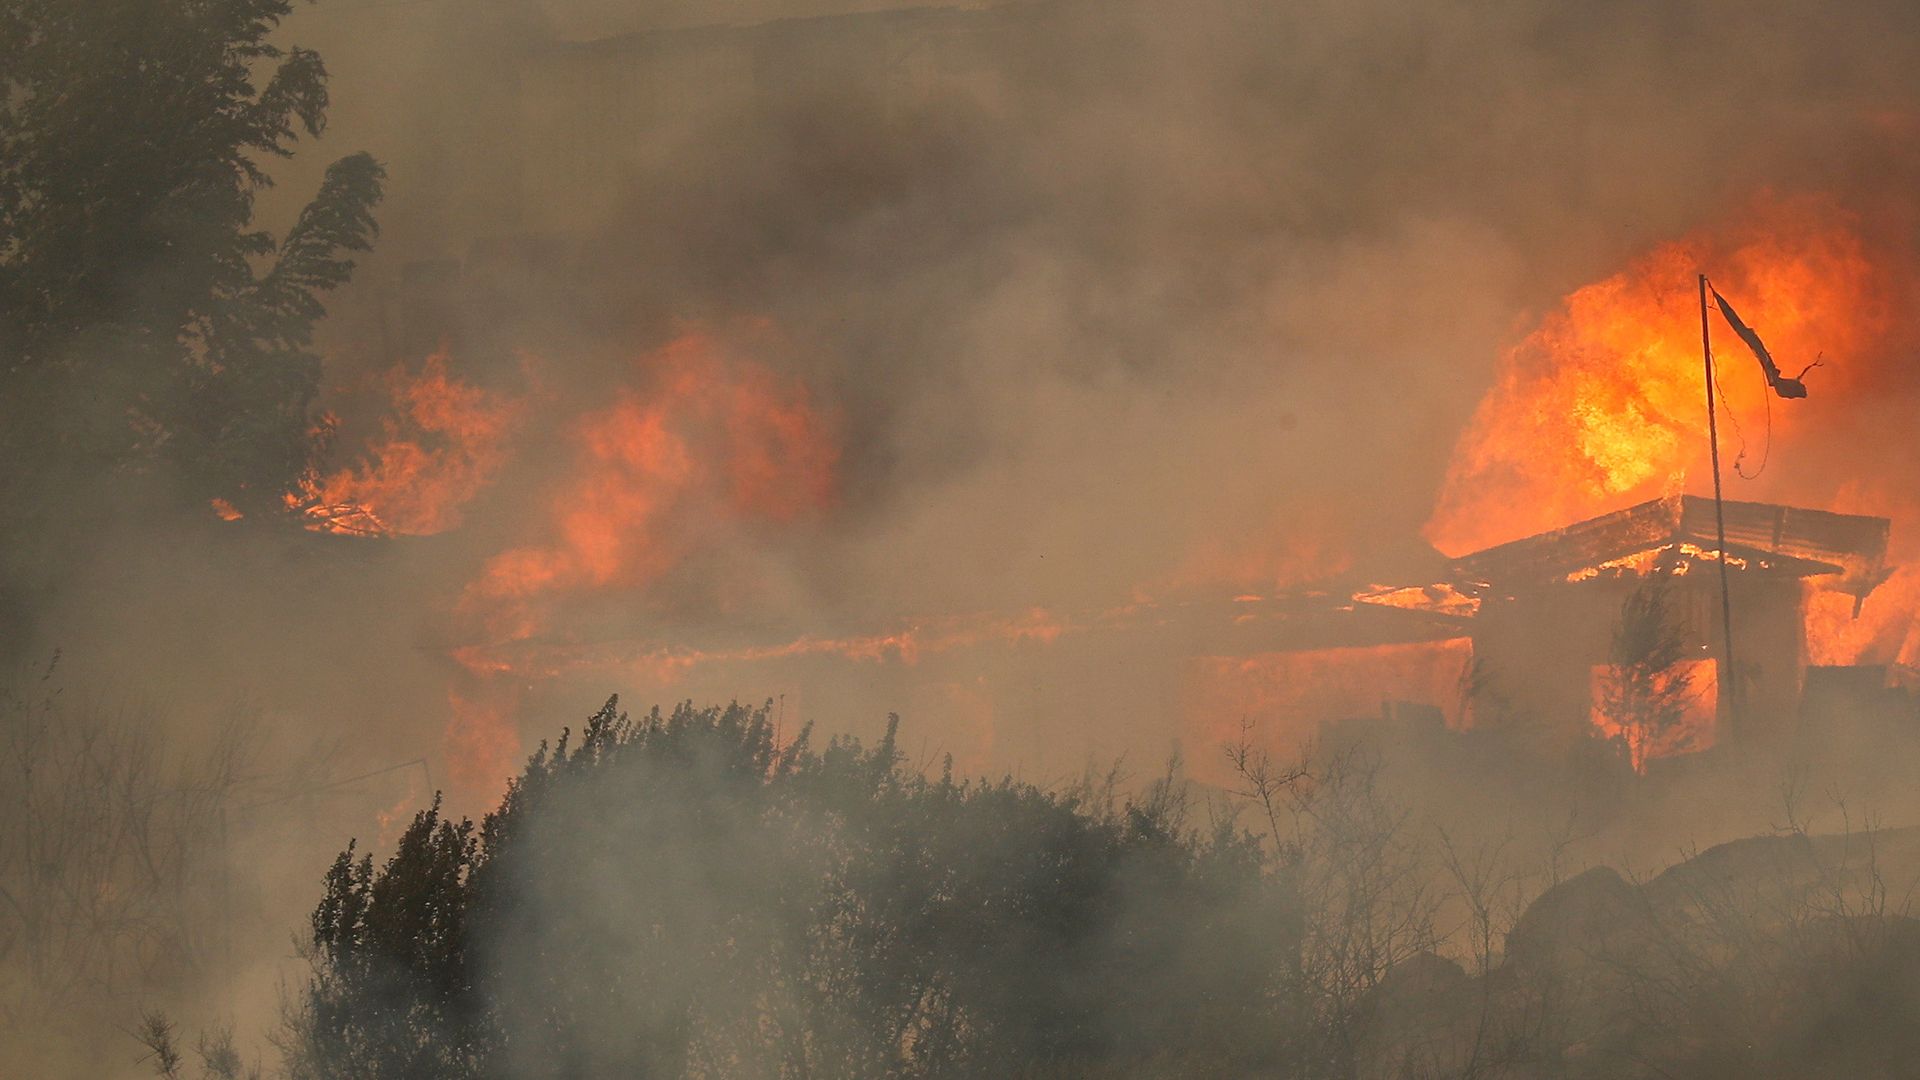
[1074, 303]
[1091, 285]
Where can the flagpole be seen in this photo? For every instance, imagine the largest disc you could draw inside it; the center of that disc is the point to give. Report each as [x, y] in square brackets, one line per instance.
[1730, 681]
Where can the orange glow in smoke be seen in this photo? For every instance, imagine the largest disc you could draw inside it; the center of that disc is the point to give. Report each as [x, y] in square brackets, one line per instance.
[1602, 406]
[705, 440]
[1886, 630]
[482, 739]
[662, 663]
[444, 443]
[711, 439]
[1286, 695]
[1299, 547]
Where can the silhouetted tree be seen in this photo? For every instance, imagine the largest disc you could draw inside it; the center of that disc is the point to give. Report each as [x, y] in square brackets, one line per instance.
[1646, 691]
[111, 858]
[219, 1058]
[146, 322]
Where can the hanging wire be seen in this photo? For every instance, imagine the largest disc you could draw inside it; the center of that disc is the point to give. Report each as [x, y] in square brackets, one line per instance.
[1739, 432]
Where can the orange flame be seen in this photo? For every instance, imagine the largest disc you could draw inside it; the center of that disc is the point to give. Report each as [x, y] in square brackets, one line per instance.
[709, 440]
[446, 443]
[1886, 629]
[713, 437]
[1603, 405]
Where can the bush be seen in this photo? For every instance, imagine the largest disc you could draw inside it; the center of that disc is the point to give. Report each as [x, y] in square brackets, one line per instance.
[680, 896]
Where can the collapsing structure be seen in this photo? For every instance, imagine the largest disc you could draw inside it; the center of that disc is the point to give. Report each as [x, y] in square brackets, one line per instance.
[1536, 625]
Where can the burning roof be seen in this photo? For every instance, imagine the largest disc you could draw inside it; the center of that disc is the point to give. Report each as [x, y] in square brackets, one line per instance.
[1763, 536]
[1674, 533]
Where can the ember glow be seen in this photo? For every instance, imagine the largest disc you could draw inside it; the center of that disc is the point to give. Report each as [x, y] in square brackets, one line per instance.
[1679, 558]
[1602, 406]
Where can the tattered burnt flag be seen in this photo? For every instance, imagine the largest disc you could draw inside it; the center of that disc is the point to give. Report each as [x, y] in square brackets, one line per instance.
[1785, 386]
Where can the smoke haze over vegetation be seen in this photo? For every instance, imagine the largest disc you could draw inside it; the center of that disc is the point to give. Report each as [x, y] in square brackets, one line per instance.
[383, 383]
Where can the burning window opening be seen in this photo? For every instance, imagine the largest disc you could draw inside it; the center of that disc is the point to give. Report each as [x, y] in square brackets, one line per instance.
[1689, 724]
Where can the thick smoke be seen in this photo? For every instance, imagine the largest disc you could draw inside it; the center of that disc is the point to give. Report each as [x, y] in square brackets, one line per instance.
[1104, 300]
[1101, 301]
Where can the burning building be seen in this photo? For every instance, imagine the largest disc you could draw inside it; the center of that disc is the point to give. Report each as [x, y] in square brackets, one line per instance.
[1547, 616]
